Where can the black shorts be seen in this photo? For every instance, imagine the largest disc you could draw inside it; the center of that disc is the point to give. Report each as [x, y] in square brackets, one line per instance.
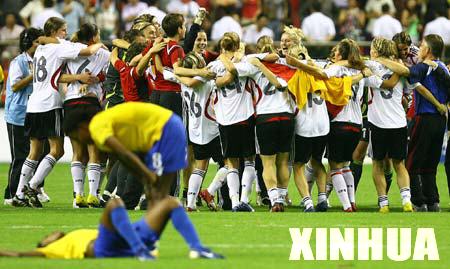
[307, 147]
[388, 142]
[342, 141]
[210, 150]
[82, 103]
[238, 140]
[365, 132]
[274, 133]
[43, 125]
[169, 100]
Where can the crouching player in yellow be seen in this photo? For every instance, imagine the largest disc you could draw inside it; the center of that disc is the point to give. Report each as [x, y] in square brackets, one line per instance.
[127, 130]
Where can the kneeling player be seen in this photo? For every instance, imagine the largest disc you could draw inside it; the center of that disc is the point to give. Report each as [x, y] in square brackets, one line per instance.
[116, 236]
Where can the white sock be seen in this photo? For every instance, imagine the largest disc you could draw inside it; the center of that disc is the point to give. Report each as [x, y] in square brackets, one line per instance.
[350, 181]
[28, 168]
[309, 175]
[307, 202]
[322, 197]
[282, 192]
[218, 180]
[383, 200]
[405, 193]
[195, 182]
[247, 179]
[233, 186]
[340, 187]
[257, 187]
[94, 171]
[42, 171]
[77, 171]
[273, 195]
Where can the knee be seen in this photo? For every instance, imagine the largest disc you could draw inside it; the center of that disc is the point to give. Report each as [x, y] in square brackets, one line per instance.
[57, 153]
[170, 202]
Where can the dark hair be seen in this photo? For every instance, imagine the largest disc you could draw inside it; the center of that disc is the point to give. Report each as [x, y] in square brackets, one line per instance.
[134, 49]
[48, 3]
[171, 23]
[441, 12]
[349, 50]
[27, 37]
[435, 44]
[78, 115]
[130, 36]
[385, 8]
[86, 33]
[316, 6]
[144, 18]
[402, 38]
[261, 15]
[52, 25]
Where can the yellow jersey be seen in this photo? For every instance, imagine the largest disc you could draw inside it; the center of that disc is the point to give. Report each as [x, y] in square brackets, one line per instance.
[138, 126]
[71, 246]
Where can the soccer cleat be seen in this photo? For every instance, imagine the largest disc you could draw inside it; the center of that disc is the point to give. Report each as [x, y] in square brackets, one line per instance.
[20, 202]
[384, 209]
[309, 209]
[42, 196]
[407, 207]
[79, 202]
[204, 253]
[277, 207]
[31, 194]
[93, 201]
[199, 202]
[8, 202]
[209, 199]
[144, 255]
[432, 208]
[243, 207]
[188, 209]
[353, 207]
[348, 210]
[322, 206]
[422, 208]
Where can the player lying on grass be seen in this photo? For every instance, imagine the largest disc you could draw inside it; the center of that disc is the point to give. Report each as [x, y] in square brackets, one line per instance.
[116, 236]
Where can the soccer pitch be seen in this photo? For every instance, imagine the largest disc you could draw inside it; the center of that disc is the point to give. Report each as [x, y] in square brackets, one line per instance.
[248, 240]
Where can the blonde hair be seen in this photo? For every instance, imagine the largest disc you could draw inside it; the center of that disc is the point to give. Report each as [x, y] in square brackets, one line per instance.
[384, 47]
[294, 33]
[230, 42]
[265, 44]
[299, 51]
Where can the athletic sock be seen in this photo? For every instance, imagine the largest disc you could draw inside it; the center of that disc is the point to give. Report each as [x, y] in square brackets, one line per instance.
[247, 179]
[405, 193]
[341, 187]
[77, 171]
[388, 176]
[233, 186]
[309, 175]
[322, 197]
[218, 180]
[122, 225]
[93, 172]
[184, 226]
[28, 168]
[383, 200]
[273, 195]
[282, 192]
[42, 171]
[257, 187]
[195, 182]
[350, 182]
[307, 202]
[357, 168]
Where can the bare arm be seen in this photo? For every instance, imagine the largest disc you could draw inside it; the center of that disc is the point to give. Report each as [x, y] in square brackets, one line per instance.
[114, 56]
[228, 64]
[430, 97]
[267, 73]
[271, 58]
[313, 70]
[143, 63]
[85, 78]
[33, 253]
[224, 80]
[131, 160]
[22, 83]
[390, 83]
[190, 82]
[121, 43]
[187, 72]
[394, 66]
[92, 49]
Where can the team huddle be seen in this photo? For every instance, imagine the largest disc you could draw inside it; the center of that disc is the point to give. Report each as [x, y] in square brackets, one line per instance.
[154, 107]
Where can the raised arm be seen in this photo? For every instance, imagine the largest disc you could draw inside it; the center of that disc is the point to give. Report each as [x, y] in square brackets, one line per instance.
[313, 70]
[394, 66]
[121, 43]
[90, 50]
[143, 63]
[131, 160]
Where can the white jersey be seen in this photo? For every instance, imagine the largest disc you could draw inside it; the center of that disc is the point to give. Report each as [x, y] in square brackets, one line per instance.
[234, 102]
[48, 62]
[351, 113]
[312, 120]
[95, 64]
[202, 127]
[385, 107]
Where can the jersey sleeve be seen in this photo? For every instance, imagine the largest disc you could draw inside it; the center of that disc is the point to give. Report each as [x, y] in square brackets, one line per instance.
[177, 53]
[418, 72]
[69, 50]
[246, 69]
[15, 73]
[120, 65]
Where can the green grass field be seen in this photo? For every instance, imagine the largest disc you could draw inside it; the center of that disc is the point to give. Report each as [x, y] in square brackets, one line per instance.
[248, 240]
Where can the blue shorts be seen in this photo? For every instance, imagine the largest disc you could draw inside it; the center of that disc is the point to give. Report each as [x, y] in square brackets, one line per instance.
[169, 154]
[111, 244]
